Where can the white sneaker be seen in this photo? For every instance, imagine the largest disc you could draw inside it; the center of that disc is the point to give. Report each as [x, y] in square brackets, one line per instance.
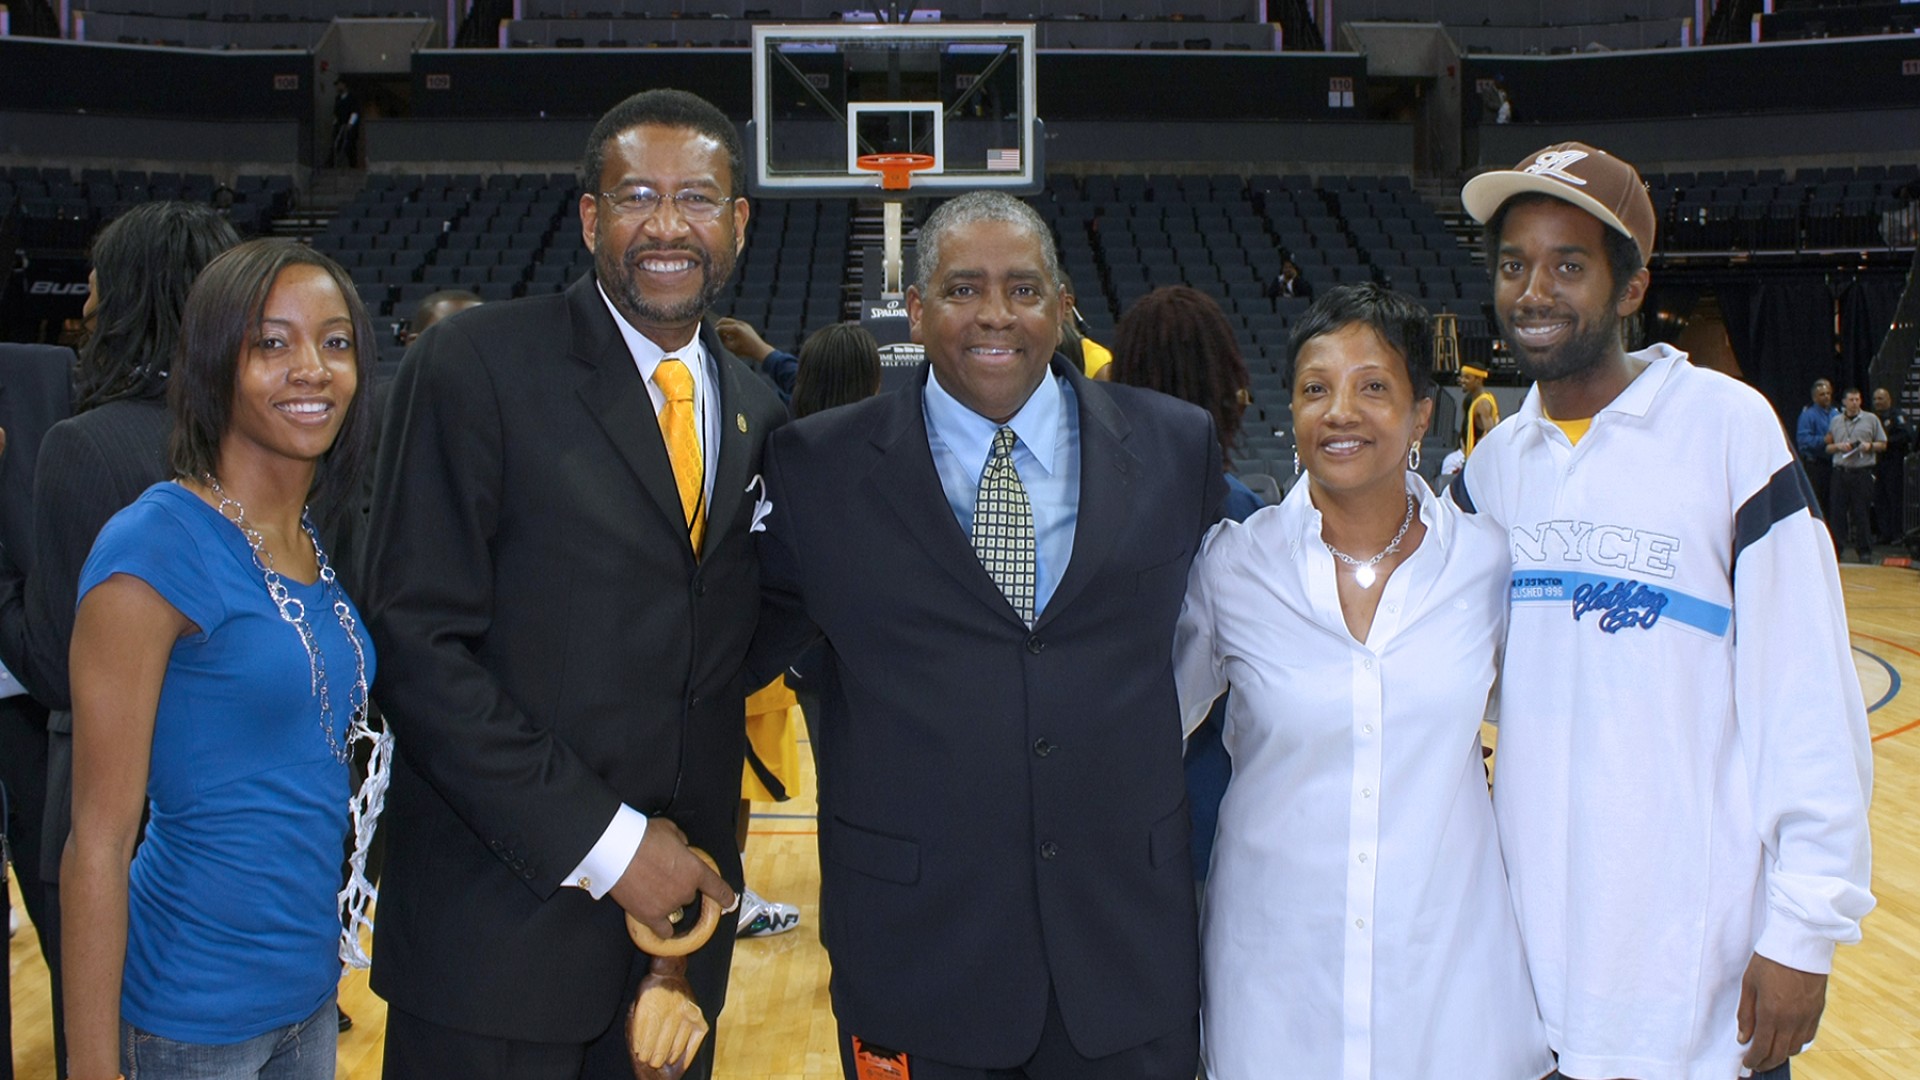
[760, 917]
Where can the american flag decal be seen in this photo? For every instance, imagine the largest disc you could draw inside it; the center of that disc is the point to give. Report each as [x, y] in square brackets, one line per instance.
[1003, 160]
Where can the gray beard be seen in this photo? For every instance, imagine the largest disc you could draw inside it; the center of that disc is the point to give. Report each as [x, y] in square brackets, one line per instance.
[618, 279]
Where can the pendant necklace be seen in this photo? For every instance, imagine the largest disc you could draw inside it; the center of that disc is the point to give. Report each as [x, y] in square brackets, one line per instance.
[1363, 572]
[294, 613]
[356, 899]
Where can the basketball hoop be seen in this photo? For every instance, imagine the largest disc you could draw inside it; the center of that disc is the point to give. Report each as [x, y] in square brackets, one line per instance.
[896, 170]
[896, 174]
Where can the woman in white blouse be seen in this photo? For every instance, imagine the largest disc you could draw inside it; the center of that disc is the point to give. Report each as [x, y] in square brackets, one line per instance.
[1357, 922]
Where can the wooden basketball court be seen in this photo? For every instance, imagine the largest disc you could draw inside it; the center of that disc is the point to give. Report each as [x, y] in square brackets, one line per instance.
[777, 1025]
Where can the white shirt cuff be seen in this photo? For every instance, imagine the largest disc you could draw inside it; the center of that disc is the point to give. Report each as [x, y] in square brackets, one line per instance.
[9, 686]
[610, 856]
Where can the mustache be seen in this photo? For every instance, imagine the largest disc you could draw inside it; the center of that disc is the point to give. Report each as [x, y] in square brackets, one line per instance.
[634, 254]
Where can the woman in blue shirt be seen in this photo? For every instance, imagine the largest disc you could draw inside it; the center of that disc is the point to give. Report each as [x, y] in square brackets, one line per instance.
[219, 673]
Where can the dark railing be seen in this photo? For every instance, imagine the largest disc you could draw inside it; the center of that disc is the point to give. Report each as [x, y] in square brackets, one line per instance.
[1732, 22]
[480, 29]
[1299, 32]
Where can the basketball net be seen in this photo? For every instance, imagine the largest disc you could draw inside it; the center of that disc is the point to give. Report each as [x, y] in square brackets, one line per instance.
[365, 806]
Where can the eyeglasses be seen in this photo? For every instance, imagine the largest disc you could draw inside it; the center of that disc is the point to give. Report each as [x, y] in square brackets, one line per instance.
[643, 202]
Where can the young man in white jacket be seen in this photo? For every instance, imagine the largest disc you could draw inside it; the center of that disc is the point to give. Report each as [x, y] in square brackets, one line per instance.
[1684, 763]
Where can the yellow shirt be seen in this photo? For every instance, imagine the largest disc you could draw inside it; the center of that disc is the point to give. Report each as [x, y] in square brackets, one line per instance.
[1471, 436]
[1575, 429]
[1097, 356]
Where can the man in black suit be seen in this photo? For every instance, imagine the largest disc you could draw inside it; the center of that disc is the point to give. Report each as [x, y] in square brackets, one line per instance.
[561, 614]
[36, 392]
[997, 554]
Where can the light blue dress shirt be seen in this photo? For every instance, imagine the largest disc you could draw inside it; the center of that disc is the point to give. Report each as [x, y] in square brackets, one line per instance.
[1046, 455]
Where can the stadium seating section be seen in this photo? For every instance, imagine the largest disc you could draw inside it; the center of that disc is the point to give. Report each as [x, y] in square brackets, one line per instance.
[62, 211]
[1765, 211]
[1120, 236]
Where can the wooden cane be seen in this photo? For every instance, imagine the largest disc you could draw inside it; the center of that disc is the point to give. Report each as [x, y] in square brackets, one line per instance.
[664, 1024]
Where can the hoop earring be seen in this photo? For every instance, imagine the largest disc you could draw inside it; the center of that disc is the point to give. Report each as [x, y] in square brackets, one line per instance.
[1413, 457]
[1296, 463]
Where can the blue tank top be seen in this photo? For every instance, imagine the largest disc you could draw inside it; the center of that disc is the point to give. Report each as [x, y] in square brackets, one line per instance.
[232, 925]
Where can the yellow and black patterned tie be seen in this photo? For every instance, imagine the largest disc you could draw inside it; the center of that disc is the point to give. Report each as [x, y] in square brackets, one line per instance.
[1003, 526]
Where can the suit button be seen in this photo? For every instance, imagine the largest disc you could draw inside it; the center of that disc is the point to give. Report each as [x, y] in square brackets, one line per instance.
[1035, 645]
[1049, 849]
[527, 874]
[693, 702]
[700, 588]
[495, 844]
[1041, 748]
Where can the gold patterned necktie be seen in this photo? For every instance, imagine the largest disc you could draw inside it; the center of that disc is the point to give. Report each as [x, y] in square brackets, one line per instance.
[1003, 527]
[678, 425]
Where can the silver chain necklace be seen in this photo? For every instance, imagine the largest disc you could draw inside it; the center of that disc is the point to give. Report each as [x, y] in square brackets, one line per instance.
[1363, 573]
[294, 613]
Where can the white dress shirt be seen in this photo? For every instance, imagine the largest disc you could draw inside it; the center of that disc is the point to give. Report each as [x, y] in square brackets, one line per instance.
[1357, 920]
[610, 855]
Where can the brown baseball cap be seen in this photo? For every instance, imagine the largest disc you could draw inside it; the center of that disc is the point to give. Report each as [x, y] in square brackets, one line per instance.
[1591, 179]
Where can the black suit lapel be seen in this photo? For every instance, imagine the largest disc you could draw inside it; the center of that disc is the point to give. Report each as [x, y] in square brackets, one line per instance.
[731, 458]
[616, 397]
[1107, 470]
[905, 477]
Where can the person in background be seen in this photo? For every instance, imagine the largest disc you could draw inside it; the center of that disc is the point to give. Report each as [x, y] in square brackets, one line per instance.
[838, 364]
[1176, 340]
[91, 466]
[36, 392]
[1479, 411]
[1890, 477]
[1291, 284]
[436, 306]
[1855, 442]
[220, 676]
[1094, 358]
[743, 341]
[1810, 439]
[345, 150]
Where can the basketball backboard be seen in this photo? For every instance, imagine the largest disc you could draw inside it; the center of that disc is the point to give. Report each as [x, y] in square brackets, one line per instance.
[823, 96]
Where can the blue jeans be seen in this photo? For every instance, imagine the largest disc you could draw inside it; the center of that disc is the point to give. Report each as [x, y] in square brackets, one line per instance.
[302, 1051]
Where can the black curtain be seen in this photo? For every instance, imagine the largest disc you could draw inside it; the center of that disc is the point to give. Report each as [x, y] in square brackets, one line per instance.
[1867, 308]
[1675, 300]
[1781, 329]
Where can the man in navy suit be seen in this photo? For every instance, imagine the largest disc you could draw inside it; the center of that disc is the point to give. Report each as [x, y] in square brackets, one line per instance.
[997, 554]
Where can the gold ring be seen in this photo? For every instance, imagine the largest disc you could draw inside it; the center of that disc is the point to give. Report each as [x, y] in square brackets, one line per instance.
[675, 916]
